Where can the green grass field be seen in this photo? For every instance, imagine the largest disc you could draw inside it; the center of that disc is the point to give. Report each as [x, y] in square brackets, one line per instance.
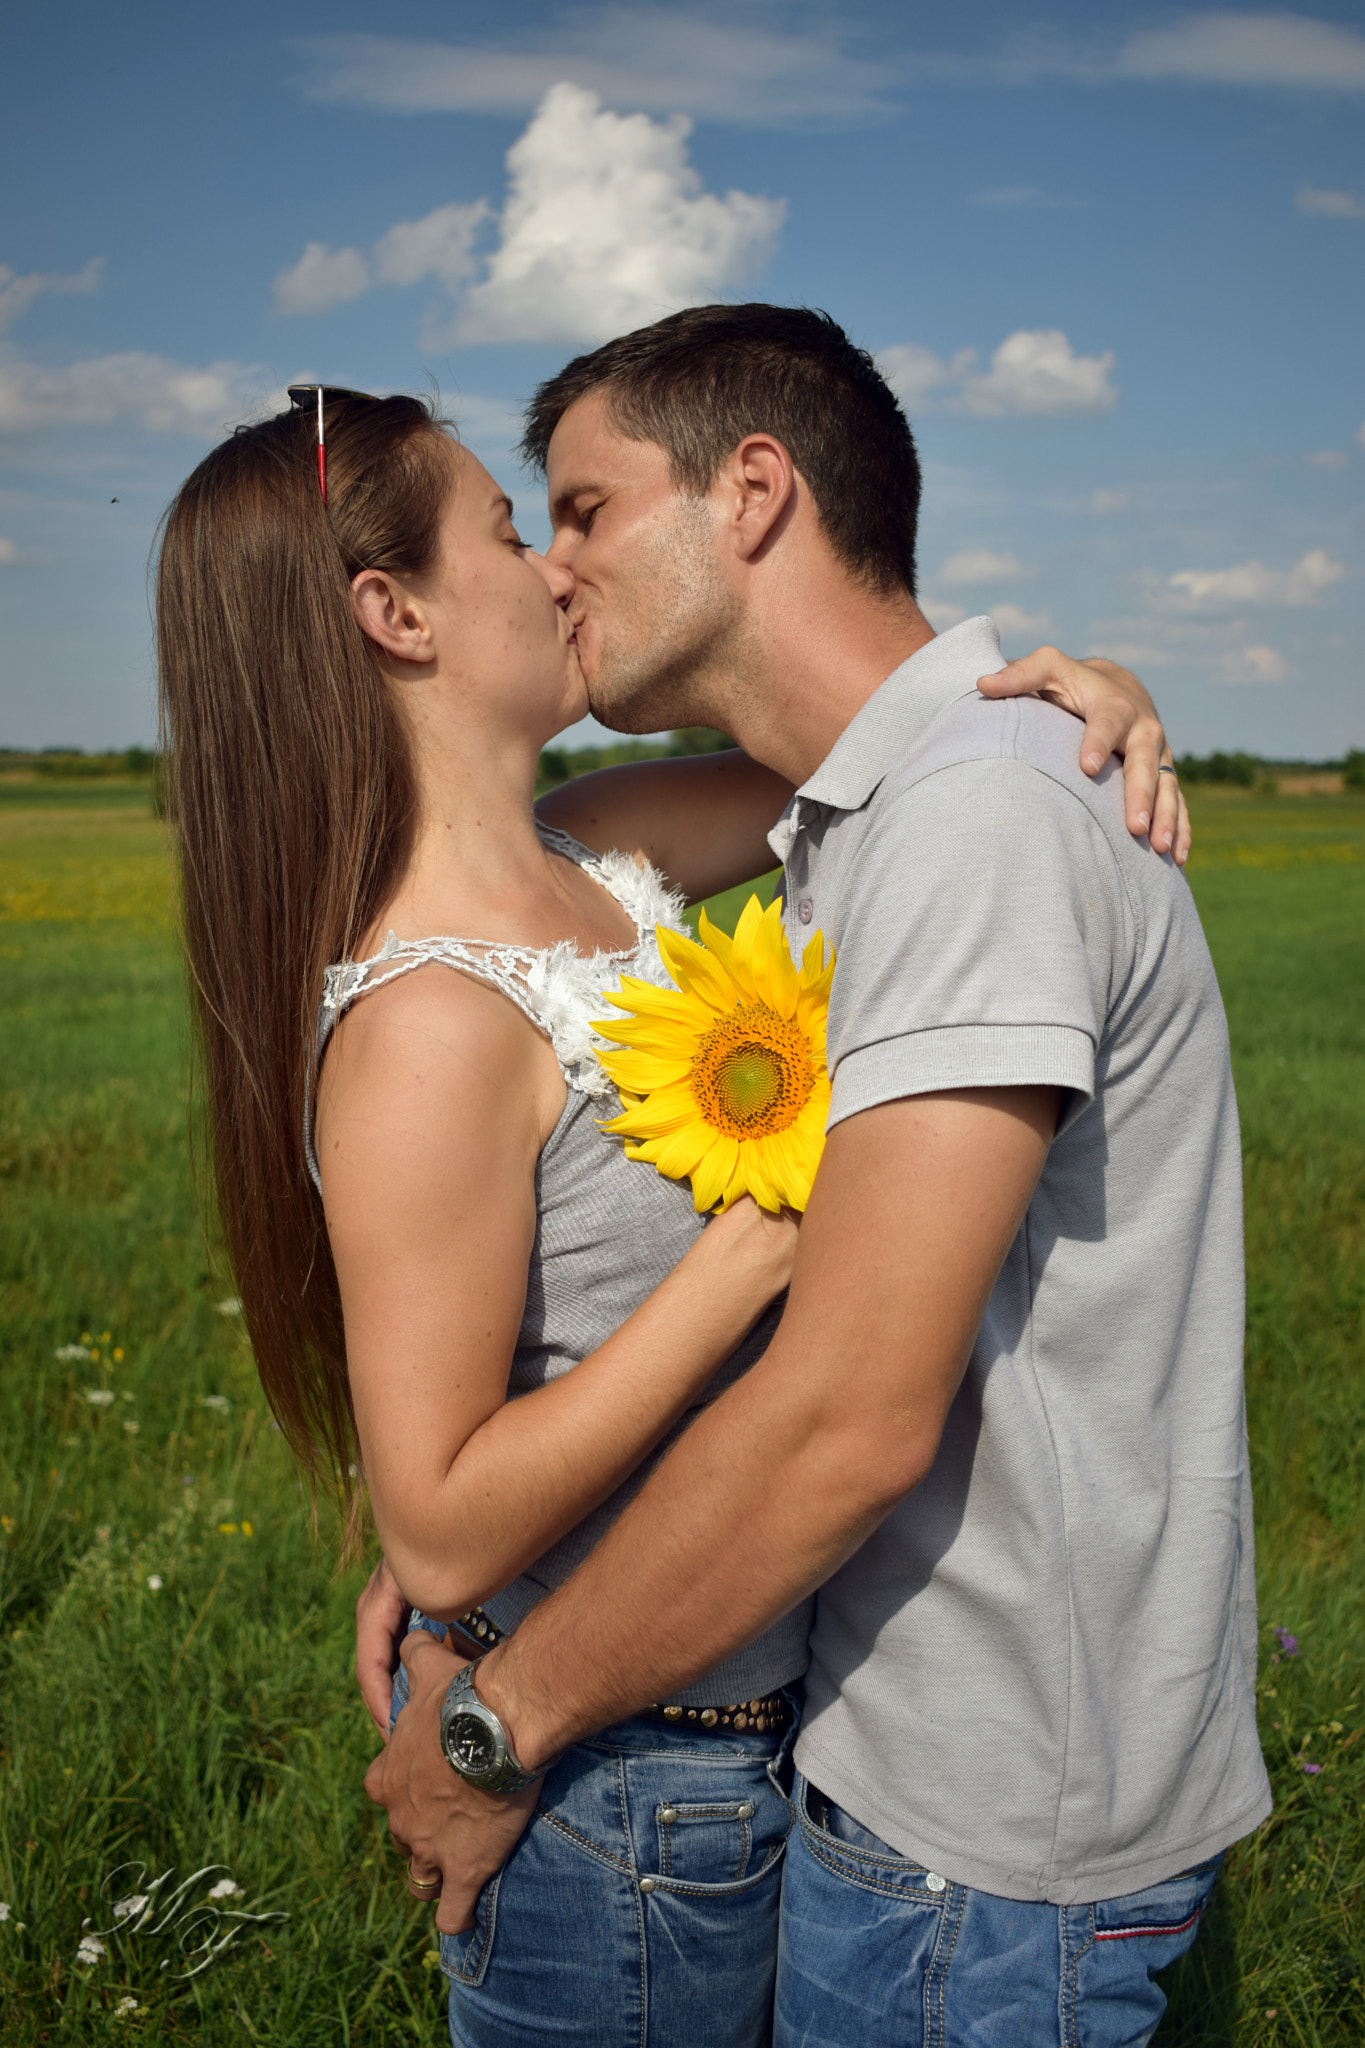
[175, 1650]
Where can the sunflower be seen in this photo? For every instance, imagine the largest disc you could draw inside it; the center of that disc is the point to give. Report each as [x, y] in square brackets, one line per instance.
[723, 1078]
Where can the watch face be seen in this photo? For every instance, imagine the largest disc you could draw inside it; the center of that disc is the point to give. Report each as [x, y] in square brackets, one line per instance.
[470, 1744]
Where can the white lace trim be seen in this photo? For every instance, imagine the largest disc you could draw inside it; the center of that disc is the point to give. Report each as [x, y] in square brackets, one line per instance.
[558, 988]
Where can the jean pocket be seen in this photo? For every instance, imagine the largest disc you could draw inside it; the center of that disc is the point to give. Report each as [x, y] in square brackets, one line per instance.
[851, 1851]
[1166, 1910]
[465, 1956]
[722, 1841]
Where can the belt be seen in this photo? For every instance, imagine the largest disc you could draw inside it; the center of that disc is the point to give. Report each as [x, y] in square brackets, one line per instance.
[773, 1713]
[770, 1715]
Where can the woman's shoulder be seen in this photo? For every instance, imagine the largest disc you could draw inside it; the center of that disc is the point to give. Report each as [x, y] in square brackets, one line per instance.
[434, 1049]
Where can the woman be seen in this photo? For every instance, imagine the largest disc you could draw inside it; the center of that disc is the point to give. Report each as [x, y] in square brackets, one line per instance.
[357, 681]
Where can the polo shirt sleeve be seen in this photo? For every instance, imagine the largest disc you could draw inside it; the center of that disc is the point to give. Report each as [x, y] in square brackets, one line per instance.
[981, 921]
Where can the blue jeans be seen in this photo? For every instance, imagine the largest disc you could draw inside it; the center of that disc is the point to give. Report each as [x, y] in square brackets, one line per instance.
[639, 1909]
[877, 1952]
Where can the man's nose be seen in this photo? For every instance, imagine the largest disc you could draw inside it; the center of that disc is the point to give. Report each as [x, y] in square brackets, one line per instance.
[560, 579]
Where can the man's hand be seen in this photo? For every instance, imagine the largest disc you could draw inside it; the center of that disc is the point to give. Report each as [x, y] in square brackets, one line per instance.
[443, 1826]
[381, 1621]
[1120, 718]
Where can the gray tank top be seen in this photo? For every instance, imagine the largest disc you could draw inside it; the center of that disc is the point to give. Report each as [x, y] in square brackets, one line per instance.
[608, 1230]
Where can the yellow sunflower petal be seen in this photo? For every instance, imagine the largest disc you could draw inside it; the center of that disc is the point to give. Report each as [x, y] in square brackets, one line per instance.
[698, 973]
[643, 1072]
[711, 1174]
[668, 1109]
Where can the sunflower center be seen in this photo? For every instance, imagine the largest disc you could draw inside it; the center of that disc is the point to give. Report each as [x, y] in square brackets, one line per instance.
[753, 1075]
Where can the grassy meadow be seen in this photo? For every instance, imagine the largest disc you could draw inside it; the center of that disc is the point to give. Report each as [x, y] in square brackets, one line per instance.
[175, 1690]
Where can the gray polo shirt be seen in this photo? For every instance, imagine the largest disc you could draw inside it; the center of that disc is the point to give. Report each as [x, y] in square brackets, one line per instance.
[1037, 1676]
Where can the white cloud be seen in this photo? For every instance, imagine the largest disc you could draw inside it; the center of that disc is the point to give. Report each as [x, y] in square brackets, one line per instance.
[1037, 372]
[1102, 502]
[150, 390]
[660, 59]
[321, 278]
[1255, 664]
[979, 565]
[1327, 458]
[606, 227]
[1336, 205]
[1254, 583]
[1014, 624]
[941, 613]
[1010, 195]
[1020, 195]
[440, 245]
[1228, 48]
[18, 293]
[914, 372]
[8, 551]
[1034, 373]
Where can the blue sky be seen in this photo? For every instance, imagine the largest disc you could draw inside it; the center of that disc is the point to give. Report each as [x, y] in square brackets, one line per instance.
[1111, 257]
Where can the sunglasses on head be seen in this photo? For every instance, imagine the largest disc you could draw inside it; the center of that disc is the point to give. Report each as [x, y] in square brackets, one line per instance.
[302, 396]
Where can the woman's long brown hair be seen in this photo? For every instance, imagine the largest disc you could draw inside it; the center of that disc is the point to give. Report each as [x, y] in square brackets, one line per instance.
[293, 801]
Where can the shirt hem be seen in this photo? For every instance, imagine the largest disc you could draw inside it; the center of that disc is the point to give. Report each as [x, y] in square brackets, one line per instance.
[965, 1866]
[964, 1056]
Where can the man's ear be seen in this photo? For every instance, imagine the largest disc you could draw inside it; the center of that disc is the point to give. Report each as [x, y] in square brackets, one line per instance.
[755, 493]
[388, 613]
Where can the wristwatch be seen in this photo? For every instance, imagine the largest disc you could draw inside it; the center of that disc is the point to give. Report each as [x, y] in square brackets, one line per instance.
[476, 1744]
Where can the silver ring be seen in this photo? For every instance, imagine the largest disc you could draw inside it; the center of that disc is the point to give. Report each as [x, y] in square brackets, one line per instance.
[1164, 770]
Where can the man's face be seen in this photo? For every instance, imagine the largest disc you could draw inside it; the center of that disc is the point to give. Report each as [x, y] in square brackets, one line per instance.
[657, 626]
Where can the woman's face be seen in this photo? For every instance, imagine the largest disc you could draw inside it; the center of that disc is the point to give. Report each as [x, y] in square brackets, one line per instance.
[495, 610]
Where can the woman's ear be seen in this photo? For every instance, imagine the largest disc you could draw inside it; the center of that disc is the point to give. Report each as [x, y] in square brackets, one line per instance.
[388, 613]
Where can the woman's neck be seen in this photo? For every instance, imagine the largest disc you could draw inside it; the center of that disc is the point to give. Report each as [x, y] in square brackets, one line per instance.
[479, 868]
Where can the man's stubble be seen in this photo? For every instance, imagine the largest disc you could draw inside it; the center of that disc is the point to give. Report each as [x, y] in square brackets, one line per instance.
[673, 652]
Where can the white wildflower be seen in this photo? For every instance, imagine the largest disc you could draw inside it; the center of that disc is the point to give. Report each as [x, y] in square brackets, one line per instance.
[91, 1949]
[4, 1909]
[132, 1427]
[125, 2008]
[99, 1397]
[218, 1402]
[226, 1889]
[230, 1307]
[124, 1909]
[65, 1351]
[155, 1581]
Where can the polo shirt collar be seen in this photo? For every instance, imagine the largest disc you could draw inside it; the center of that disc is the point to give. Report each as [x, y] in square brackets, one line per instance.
[900, 711]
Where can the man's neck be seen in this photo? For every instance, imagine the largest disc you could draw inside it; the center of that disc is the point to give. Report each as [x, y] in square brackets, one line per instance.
[819, 666]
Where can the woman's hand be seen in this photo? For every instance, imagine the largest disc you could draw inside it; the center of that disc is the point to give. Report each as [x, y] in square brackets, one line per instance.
[381, 1621]
[1120, 718]
[750, 1250]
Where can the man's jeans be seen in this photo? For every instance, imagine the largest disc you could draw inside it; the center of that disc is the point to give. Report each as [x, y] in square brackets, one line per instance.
[877, 1952]
[639, 1909]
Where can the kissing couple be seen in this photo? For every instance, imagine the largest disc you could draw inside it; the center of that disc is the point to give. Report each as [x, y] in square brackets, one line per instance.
[836, 1631]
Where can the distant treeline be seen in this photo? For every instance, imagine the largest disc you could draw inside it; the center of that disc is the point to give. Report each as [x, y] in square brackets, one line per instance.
[1245, 771]
[73, 764]
[561, 764]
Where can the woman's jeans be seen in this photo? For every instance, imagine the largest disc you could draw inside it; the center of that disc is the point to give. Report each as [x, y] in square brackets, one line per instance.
[878, 1952]
[639, 1909]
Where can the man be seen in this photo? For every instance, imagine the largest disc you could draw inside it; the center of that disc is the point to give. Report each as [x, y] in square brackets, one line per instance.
[1000, 1425]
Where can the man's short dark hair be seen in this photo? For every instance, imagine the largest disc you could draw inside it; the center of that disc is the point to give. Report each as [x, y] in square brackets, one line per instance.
[698, 382]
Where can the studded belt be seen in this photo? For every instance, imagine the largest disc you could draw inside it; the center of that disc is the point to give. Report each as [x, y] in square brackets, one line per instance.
[770, 1715]
[773, 1713]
